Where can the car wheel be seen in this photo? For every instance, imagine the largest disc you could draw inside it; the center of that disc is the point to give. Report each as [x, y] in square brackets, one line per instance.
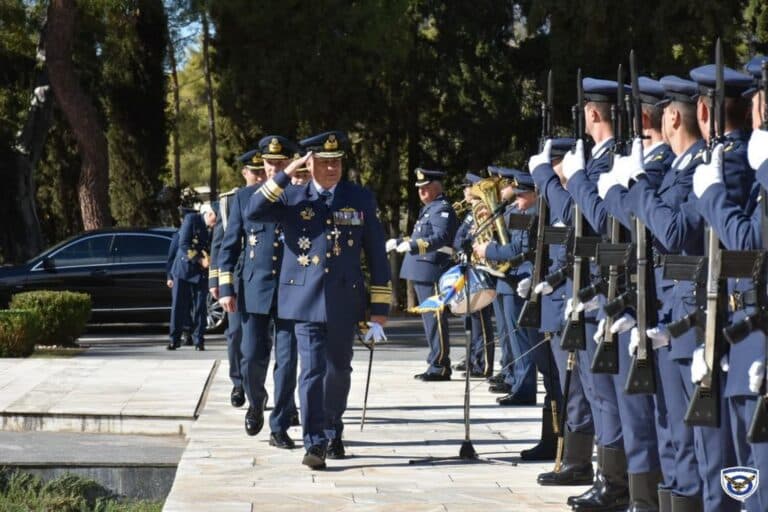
[216, 317]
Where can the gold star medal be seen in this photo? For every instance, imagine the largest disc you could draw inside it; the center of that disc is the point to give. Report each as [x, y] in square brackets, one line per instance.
[307, 213]
[304, 243]
[303, 260]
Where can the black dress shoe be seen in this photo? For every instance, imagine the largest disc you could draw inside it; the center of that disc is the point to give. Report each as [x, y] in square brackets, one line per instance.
[502, 388]
[589, 493]
[496, 379]
[419, 376]
[314, 457]
[237, 397]
[336, 449]
[188, 340]
[434, 377]
[569, 474]
[295, 421]
[460, 367]
[254, 421]
[200, 347]
[281, 440]
[172, 346]
[513, 399]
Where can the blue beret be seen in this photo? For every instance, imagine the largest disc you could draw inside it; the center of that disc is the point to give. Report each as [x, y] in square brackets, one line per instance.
[523, 180]
[651, 91]
[678, 89]
[426, 176]
[736, 82]
[471, 179]
[561, 146]
[331, 144]
[252, 159]
[277, 147]
[599, 90]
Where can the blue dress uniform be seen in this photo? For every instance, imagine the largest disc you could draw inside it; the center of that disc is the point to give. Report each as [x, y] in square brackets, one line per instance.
[190, 280]
[322, 287]
[258, 245]
[234, 332]
[173, 248]
[581, 410]
[429, 256]
[481, 324]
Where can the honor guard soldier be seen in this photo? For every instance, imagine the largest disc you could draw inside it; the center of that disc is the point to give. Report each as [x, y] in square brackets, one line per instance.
[190, 277]
[428, 254]
[483, 345]
[253, 173]
[328, 224]
[186, 322]
[259, 245]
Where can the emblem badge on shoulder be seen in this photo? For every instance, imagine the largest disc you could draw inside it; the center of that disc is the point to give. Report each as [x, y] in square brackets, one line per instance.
[739, 482]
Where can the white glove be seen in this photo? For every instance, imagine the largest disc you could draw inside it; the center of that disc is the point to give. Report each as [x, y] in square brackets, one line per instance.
[659, 335]
[600, 333]
[757, 151]
[634, 341]
[390, 245]
[543, 288]
[628, 167]
[623, 324]
[698, 365]
[573, 161]
[756, 375]
[524, 287]
[707, 175]
[606, 182]
[637, 167]
[724, 363]
[375, 333]
[541, 158]
[588, 306]
[404, 246]
[568, 308]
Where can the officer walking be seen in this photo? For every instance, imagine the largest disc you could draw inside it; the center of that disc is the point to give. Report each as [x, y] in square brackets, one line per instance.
[190, 277]
[328, 225]
[427, 255]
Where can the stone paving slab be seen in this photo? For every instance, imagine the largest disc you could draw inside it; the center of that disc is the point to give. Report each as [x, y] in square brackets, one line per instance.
[224, 469]
[123, 395]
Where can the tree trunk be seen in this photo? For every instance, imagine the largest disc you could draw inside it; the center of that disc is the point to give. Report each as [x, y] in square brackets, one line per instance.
[209, 100]
[82, 116]
[176, 114]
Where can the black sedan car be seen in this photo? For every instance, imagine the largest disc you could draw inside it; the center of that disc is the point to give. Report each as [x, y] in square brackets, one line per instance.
[123, 270]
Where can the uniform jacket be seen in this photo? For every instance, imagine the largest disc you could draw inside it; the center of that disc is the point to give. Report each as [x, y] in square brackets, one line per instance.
[518, 242]
[193, 240]
[218, 235]
[321, 278]
[434, 229]
[173, 248]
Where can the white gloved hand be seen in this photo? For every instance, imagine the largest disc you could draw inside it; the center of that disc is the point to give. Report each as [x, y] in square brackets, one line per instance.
[636, 166]
[543, 288]
[600, 332]
[404, 246]
[634, 341]
[606, 182]
[724, 363]
[573, 161]
[699, 366]
[568, 308]
[623, 324]
[375, 332]
[756, 375]
[659, 335]
[590, 305]
[524, 287]
[391, 245]
[541, 158]
[709, 174]
[757, 151]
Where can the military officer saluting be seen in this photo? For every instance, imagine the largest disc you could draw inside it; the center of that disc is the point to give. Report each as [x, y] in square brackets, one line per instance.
[260, 244]
[328, 225]
[427, 255]
[189, 274]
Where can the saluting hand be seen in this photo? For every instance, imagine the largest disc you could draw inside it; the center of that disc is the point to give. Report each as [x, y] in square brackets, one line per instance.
[296, 164]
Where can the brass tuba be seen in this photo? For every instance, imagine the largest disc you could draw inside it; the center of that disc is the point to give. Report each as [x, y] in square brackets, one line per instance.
[488, 191]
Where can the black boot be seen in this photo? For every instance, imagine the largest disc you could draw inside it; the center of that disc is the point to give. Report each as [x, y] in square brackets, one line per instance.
[665, 500]
[614, 494]
[576, 468]
[547, 447]
[687, 504]
[644, 491]
[597, 485]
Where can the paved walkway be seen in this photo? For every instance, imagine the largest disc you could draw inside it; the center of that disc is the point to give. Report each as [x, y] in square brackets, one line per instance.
[222, 469]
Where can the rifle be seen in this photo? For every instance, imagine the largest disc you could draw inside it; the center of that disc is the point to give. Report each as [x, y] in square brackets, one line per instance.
[530, 314]
[704, 407]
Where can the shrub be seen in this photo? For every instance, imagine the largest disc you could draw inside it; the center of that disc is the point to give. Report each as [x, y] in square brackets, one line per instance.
[18, 332]
[62, 314]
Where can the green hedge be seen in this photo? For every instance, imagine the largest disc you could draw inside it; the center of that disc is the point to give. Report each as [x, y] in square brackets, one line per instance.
[62, 314]
[19, 331]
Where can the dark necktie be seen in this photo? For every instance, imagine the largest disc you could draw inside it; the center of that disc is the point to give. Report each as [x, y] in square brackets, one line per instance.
[326, 195]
